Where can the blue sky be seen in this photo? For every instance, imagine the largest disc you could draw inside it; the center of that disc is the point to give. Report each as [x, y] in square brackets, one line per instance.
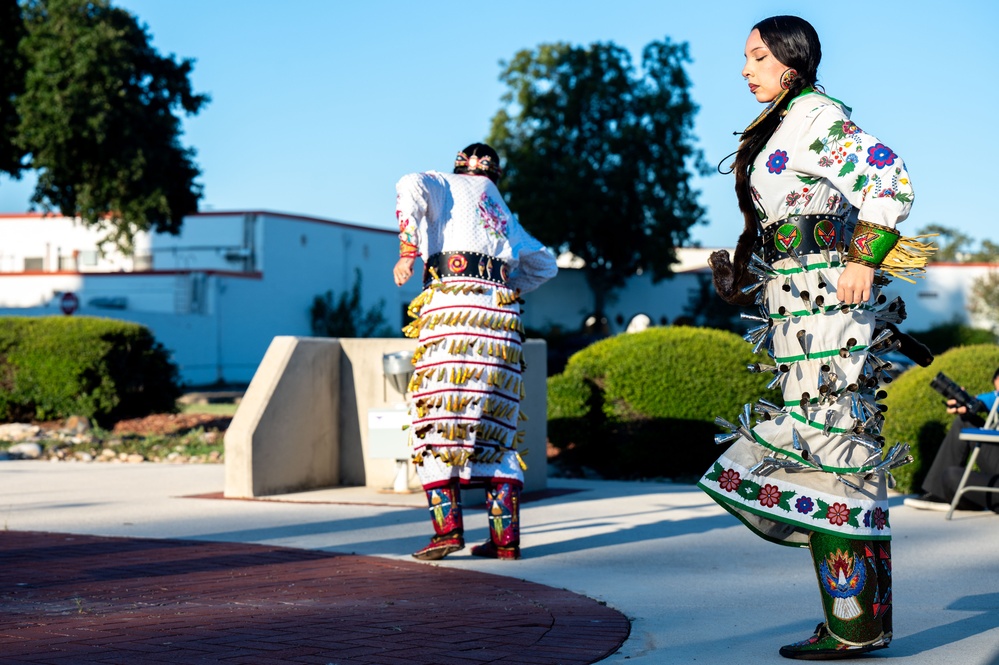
[319, 106]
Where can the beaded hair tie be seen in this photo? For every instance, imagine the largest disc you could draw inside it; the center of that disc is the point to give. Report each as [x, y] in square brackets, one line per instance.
[476, 164]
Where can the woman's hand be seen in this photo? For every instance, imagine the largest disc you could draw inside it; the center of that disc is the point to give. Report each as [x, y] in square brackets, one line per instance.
[403, 270]
[855, 282]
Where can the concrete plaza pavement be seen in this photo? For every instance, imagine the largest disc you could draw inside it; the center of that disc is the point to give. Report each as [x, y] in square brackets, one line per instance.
[697, 585]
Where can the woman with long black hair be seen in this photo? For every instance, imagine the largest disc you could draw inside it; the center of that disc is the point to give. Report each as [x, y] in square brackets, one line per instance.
[821, 199]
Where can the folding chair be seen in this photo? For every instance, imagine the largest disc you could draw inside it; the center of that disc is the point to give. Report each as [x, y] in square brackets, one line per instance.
[988, 435]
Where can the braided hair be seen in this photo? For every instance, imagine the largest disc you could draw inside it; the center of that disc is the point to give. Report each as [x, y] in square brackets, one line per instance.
[794, 43]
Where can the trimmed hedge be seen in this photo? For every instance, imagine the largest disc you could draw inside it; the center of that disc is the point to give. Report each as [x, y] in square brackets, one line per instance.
[946, 336]
[916, 413]
[643, 404]
[107, 370]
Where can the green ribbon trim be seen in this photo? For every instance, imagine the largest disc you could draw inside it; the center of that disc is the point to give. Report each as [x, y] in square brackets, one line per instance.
[811, 465]
[811, 423]
[825, 309]
[810, 266]
[818, 354]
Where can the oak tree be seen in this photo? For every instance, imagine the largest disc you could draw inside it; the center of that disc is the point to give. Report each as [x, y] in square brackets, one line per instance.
[599, 156]
[97, 118]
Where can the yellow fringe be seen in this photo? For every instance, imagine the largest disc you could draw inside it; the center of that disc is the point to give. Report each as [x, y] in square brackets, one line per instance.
[908, 258]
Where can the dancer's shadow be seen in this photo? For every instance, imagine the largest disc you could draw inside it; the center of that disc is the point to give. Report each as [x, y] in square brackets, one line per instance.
[985, 619]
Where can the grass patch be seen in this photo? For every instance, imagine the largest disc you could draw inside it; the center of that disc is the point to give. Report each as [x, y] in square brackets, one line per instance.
[220, 409]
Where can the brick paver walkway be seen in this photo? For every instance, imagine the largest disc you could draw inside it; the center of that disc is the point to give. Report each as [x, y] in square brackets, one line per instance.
[68, 599]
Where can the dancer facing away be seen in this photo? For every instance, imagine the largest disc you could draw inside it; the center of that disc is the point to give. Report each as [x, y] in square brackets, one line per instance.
[820, 200]
[468, 377]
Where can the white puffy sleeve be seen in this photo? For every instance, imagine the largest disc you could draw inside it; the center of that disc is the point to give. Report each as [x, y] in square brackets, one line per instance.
[418, 197]
[865, 171]
[535, 263]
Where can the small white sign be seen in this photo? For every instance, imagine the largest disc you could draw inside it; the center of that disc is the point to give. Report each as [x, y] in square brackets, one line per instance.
[386, 437]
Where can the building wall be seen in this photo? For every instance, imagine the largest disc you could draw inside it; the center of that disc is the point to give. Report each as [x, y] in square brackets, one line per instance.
[220, 291]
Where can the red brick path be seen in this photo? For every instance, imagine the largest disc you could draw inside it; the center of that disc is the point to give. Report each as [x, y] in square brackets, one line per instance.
[68, 599]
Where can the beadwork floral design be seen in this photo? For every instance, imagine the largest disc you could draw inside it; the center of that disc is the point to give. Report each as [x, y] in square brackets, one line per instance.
[804, 505]
[492, 217]
[777, 161]
[838, 514]
[407, 235]
[880, 156]
[769, 495]
[729, 480]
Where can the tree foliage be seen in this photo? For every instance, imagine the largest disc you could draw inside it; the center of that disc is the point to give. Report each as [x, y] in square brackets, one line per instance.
[953, 246]
[94, 113]
[598, 156]
[11, 84]
[344, 316]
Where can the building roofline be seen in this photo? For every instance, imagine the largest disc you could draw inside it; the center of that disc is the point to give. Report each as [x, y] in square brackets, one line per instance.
[138, 273]
[297, 217]
[229, 213]
[11, 215]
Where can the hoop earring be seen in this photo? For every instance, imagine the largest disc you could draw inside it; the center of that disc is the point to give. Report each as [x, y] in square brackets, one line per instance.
[787, 78]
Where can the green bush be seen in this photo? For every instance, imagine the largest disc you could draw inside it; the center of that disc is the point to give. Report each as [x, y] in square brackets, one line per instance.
[946, 336]
[644, 404]
[916, 413]
[107, 370]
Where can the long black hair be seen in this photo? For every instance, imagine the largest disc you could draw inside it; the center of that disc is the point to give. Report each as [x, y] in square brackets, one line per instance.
[794, 43]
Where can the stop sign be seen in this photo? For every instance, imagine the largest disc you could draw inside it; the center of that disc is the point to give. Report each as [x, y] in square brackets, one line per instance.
[69, 303]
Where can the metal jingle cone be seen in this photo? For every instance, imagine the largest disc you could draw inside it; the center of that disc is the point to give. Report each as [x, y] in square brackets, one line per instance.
[824, 384]
[749, 288]
[827, 425]
[802, 338]
[778, 377]
[767, 409]
[765, 339]
[857, 409]
[866, 441]
[726, 438]
[753, 335]
[721, 422]
[881, 337]
[755, 260]
[795, 439]
[847, 482]
[753, 317]
[793, 253]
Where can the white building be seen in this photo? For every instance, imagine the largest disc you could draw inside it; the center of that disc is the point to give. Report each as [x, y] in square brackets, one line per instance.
[217, 293]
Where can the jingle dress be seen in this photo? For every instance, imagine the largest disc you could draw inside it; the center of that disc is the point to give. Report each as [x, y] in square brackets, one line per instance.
[468, 376]
[815, 464]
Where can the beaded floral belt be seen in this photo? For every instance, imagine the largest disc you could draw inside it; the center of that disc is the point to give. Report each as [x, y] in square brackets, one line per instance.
[804, 234]
[466, 264]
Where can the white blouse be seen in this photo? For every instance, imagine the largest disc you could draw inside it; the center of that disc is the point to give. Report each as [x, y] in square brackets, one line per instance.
[819, 162]
[447, 212]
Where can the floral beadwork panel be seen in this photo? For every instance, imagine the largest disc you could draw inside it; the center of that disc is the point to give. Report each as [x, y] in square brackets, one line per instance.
[820, 162]
[777, 498]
